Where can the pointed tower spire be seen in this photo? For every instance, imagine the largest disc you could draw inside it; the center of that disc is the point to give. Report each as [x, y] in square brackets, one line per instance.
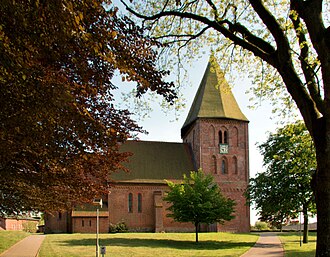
[213, 99]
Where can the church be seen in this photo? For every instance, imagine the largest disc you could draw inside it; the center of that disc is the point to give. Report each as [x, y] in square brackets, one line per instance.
[214, 138]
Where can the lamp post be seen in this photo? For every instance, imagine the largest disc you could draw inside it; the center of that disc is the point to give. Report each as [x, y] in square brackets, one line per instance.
[300, 211]
[98, 203]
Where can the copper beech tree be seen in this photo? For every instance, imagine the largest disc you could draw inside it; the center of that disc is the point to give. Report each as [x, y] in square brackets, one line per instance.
[285, 47]
[59, 127]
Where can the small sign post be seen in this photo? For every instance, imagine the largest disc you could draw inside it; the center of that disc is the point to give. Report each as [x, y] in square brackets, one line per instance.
[103, 250]
[98, 203]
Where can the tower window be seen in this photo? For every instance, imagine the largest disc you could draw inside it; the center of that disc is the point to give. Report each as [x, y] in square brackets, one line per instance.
[223, 141]
[220, 137]
[225, 137]
[139, 203]
[214, 165]
[130, 202]
[212, 136]
[224, 168]
[235, 165]
[235, 137]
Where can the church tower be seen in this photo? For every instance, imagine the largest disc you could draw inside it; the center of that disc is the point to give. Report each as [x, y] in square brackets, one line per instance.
[217, 131]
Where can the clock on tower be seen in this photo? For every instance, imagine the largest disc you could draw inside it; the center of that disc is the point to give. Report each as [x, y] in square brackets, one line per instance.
[223, 148]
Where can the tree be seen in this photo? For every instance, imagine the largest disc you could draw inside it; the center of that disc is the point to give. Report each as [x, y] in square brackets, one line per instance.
[198, 200]
[285, 188]
[290, 39]
[271, 199]
[59, 127]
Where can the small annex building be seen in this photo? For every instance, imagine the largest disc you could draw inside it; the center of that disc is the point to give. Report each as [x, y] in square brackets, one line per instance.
[214, 138]
[17, 223]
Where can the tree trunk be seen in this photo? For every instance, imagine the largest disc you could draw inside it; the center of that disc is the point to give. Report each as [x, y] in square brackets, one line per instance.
[305, 236]
[196, 230]
[322, 188]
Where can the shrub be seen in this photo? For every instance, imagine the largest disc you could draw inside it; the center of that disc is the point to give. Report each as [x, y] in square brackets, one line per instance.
[30, 227]
[120, 227]
[261, 225]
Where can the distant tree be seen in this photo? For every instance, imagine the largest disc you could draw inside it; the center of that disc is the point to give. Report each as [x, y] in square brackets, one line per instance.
[59, 126]
[285, 188]
[261, 225]
[198, 200]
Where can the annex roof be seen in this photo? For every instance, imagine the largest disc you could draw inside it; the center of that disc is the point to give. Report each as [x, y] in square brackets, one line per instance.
[155, 162]
[214, 98]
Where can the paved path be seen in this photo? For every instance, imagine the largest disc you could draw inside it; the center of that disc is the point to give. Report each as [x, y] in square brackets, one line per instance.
[28, 247]
[268, 245]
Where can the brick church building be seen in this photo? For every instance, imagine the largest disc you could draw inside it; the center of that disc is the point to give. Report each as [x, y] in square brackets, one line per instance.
[215, 138]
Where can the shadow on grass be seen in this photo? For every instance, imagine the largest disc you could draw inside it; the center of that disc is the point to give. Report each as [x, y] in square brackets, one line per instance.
[290, 234]
[292, 245]
[160, 243]
[297, 253]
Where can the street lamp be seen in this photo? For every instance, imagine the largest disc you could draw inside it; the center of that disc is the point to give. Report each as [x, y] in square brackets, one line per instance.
[98, 203]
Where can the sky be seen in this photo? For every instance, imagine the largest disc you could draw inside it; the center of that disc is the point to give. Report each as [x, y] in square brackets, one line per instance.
[166, 128]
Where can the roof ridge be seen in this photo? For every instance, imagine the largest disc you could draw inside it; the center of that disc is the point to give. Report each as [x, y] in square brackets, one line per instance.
[152, 141]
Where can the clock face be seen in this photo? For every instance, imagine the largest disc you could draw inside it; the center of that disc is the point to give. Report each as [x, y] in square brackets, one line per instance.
[223, 148]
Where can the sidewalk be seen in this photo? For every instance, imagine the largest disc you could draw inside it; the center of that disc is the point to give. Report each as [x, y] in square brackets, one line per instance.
[28, 247]
[268, 245]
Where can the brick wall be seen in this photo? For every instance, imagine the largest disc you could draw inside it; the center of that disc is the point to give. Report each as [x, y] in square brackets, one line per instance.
[14, 224]
[88, 225]
[153, 212]
[57, 222]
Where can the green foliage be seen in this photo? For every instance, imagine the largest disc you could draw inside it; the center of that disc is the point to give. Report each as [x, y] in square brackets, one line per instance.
[261, 225]
[30, 227]
[59, 125]
[198, 200]
[285, 187]
[120, 227]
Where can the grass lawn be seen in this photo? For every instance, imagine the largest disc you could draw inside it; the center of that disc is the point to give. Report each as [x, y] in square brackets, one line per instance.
[9, 238]
[291, 243]
[149, 244]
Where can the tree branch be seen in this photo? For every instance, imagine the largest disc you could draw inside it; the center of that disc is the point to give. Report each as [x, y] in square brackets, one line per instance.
[275, 29]
[258, 49]
[215, 10]
[308, 71]
[311, 13]
[185, 35]
[280, 58]
[285, 66]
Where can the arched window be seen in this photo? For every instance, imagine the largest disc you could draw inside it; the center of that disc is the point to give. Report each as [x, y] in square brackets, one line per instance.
[220, 137]
[224, 166]
[139, 203]
[225, 137]
[235, 137]
[212, 135]
[130, 202]
[214, 165]
[235, 165]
